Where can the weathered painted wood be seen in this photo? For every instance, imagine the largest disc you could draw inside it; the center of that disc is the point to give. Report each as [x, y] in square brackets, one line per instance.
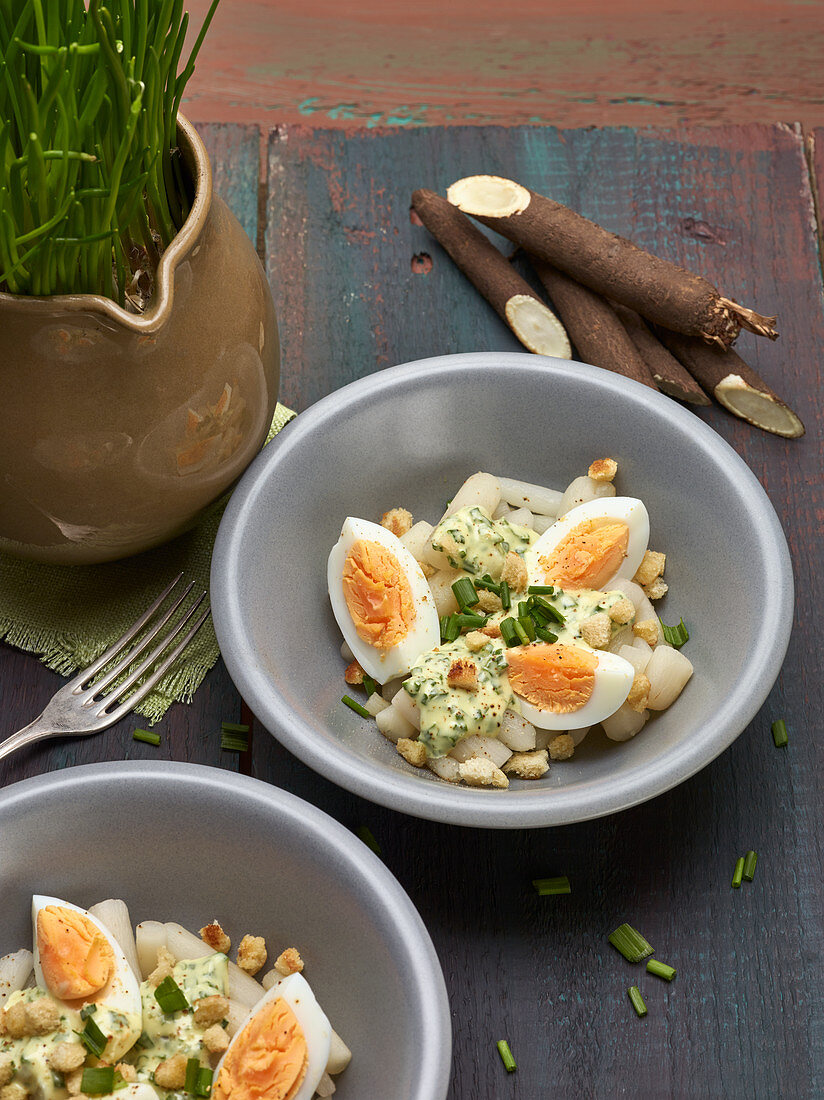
[745, 1014]
[187, 732]
[368, 63]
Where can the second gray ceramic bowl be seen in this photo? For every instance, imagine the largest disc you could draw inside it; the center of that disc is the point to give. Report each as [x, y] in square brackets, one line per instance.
[185, 843]
[409, 436]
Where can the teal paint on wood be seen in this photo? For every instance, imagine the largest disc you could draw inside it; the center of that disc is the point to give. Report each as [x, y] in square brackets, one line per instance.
[741, 1020]
[234, 151]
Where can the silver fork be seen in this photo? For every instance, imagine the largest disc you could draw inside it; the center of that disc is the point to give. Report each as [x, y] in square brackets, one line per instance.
[81, 707]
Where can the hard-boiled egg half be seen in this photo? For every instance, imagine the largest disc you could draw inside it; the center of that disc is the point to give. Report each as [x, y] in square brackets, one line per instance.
[281, 1051]
[564, 687]
[380, 599]
[78, 960]
[591, 545]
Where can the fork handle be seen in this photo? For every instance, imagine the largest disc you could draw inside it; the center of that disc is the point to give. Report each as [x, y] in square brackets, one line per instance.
[28, 735]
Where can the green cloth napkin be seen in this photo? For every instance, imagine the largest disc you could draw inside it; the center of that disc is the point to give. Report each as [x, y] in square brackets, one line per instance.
[69, 614]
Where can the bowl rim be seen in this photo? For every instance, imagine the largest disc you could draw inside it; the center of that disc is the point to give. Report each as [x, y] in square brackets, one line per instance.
[424, 984]
[448, 803]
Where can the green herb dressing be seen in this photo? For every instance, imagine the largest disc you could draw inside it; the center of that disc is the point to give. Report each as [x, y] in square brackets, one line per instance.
[177, 1032]
[576, 608]
[478, 544]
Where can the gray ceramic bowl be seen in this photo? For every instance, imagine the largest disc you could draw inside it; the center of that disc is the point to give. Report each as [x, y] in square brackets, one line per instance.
[409, 436]
[188, 843]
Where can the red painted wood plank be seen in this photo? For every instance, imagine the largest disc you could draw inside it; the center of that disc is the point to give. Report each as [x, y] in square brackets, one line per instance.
[369, 63]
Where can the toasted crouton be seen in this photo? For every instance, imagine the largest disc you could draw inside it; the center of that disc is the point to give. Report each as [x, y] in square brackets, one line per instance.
[597, 630]
[652, 566]
[289, 962]
[623, 611]
[657, 589]
[251, 954]
[7, 1069]
[13, 1091]
[353, 673]
[527, 765]
[515, 572]
[648, 630]
[171, 1074]
[413, 752]
[475, 641]
[478, 771]
[603, 469]
[216, 938]
[492, 630]
[397, 520]
[128, 1072]
[639, 692]
[74, 1081]
[561, 747]
[64, 1057]
[215, 1039]
[15, 1024]
[165, 962]
[463, 673]
[488, 601]
[42, 1016]
[211, 1010]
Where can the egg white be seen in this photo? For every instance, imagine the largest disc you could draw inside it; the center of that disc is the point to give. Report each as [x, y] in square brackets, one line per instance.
[121, 994]
[297, 993]
[613, 679]
[629, 509]
[383, 664]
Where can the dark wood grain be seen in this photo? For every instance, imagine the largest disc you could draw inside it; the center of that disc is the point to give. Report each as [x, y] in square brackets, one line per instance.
[741, 1018]
[745, 1015]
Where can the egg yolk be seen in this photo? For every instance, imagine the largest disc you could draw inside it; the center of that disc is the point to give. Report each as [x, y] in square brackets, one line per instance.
[267, 1059]
[76, 958]
[377, 594]
[589, 556]
[554, 677]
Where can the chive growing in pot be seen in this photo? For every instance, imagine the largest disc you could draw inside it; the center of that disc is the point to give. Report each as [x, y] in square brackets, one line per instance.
[93, 187]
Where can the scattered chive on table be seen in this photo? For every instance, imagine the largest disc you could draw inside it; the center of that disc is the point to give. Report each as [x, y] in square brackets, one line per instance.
[358, 287]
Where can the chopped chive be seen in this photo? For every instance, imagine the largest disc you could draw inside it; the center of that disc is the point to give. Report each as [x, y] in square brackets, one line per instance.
[355, 706]
[506, 599]
[506, 1056]
[370, 685]
[169, 996]
[234, 742]
[661, 970]
[97, 1081]
[466, 619]
[487, 582]
[203, 1086]
[148, 736]
[548, 886]
[192, 1066]
[750, 860]
[522, 634]
[675, 635]
[87, 1010]
[630, 943]
[92, 1038]
[779, 732]
[529, 627]
[509, 633]
[545, 635]
[637, 1000]
[541, 590]
[450, 629]
[234, 727]
[553, 612]
[738, 873]
[368, 838]
[465, 593]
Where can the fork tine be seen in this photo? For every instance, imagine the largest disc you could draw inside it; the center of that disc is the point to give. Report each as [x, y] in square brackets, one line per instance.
[146, 687]
[117, 646]
[148, 661]
[130, 657]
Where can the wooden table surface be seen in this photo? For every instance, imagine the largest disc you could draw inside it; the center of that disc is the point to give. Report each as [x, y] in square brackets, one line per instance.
[745, 1015]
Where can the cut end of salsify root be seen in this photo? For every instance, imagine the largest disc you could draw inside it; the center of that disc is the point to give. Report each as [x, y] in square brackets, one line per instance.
[488, 196]
[758, 407]
[537, 327]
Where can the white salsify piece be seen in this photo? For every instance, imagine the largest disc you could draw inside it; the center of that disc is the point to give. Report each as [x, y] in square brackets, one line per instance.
[539, 499]
[114, 913]
[150, 936]
[668, 671]
[516, 733]
[480, 490]
[625, 723]
[582, 490]
[186, 945]
[15, 970]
